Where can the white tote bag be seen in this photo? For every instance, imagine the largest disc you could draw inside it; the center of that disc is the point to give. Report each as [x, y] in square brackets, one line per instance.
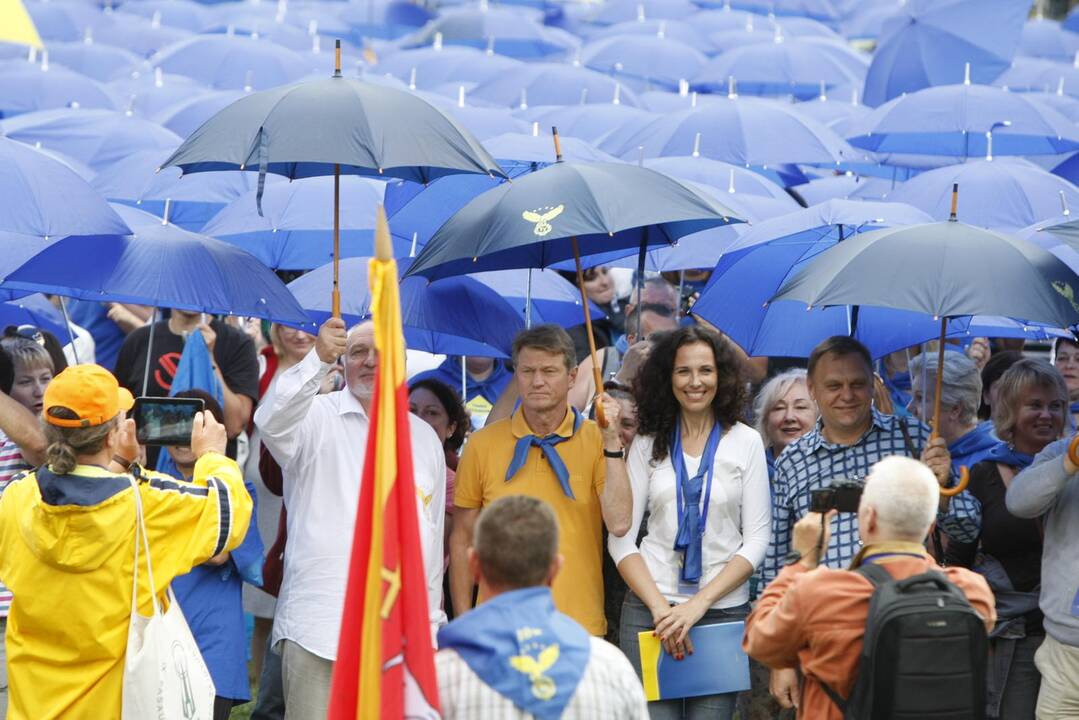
[165, 677]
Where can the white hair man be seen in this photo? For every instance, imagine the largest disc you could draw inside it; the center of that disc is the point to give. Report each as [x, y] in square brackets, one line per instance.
[960, 397]
[320, 442]
[814, 617]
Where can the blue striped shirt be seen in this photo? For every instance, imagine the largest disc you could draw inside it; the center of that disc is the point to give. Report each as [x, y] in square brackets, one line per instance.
[811, 463]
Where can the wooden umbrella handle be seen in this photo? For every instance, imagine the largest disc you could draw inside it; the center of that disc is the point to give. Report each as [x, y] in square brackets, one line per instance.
[964, 474]
[601, 416]
[1073, 451]
[964, 480]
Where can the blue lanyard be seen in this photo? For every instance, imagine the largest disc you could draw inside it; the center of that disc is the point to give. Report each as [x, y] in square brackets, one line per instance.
[681, 475]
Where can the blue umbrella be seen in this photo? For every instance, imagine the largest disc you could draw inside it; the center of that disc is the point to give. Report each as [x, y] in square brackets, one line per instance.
[45, 199]
[188, 204]
[1005, 195]
[825, 10]
[791, 67]
[420, 210]
[36, 310]
[519, 153]
[684, 31]
[1042, 38]
[97, 138]
[867, 21]
[643, 62]
[1040, 75]
[548, 296]
[725, 176]
[956, 120]
[383, 19]
[426, 68]
[159, 265]
[139, 35]
[182, 14]
[65, 21]
[149, 93]
[96, 60]
[620, 11]
[1066, 105]
[225, 62]
[32, 87]
[591, 121]
[296, 229]
[485, 123]
[846, 187]
[742, 131]
[551, 84]
[187, 115]
[511, 31]
[930, 41]
[834, 113]
[256, 28]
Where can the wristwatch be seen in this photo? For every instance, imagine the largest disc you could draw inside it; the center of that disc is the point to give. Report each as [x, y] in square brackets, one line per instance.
[792, 557]
[620, 453]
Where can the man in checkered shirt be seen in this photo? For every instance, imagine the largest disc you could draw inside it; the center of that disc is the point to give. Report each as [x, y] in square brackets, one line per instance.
[850, 437]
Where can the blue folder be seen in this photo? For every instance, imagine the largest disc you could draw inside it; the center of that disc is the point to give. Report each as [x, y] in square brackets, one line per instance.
[718, 664]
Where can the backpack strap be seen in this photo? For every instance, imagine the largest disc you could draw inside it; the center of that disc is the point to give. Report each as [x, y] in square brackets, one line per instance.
[911, 452]
[836, 698]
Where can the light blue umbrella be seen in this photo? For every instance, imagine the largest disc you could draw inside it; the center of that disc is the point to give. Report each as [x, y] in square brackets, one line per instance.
[1047, 39]
[30, 87]
[834, 112]
[824, 10]
[150, 91]
[64, 21]
[681, 30]
[518, 153]
[796, 67]
[36, 310]
[551, 84]
[97, 138]
[182, 14]
[416, 210]
[545, 294]
[929, 42]
[189, 204]
[96, 60]
[382, 18]
[724, 18]
[185, 116]
[846, 187]
[295, 231]
[485, 123]
[866, 20]
[1039, 75]
[513, 31]
[643, 62]
[256, 28]
[591, 121]
[957, 120]
[620, 11]
[225, 62]
[139, 35]
[428, 67]
[159, 265]
[1066, 105]
[1004, 195]
[722, 176]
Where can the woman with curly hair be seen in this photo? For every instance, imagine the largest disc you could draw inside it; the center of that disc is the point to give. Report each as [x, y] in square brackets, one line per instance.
[702, 476]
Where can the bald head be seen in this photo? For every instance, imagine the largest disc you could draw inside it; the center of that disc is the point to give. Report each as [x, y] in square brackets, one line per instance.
[899, 501]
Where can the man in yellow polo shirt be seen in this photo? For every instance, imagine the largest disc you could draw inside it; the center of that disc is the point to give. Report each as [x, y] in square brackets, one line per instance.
[546, 450]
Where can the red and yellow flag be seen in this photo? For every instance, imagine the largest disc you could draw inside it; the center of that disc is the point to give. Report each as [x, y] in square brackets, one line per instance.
[385, 659]
[16, 26]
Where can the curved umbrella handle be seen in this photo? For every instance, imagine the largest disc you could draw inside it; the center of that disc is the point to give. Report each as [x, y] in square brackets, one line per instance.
[1073, 451]
[964, 480]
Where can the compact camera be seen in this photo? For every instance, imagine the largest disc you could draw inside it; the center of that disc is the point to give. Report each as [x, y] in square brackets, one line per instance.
[841, 495]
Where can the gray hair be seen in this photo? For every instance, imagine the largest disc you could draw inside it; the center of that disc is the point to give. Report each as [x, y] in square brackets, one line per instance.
[1014, 384]
[961, 385]
[770, 394]
[905, 494]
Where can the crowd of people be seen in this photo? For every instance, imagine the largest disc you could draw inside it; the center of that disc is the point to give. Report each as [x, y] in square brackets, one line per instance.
[696, 502]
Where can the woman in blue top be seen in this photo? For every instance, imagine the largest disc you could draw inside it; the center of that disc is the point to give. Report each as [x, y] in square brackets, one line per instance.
[211, 594]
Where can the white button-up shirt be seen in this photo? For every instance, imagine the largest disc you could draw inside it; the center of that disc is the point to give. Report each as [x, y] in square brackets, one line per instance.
[739, 513]
[320, 441]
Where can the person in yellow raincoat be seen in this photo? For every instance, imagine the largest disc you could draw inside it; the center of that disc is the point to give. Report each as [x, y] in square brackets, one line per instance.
[67, 544]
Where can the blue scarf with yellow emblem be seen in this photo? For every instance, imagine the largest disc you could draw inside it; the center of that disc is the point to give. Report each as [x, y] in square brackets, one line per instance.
[522, 648]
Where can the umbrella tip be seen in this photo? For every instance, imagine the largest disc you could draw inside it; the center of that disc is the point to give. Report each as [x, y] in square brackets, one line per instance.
[337, 58]
[955, 202]
[557, 144]
[383, 246]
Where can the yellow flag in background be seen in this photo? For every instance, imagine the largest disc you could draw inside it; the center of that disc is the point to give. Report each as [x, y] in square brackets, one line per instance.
[16, 25]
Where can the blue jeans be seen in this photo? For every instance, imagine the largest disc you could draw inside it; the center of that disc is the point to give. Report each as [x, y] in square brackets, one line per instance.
[636, 618]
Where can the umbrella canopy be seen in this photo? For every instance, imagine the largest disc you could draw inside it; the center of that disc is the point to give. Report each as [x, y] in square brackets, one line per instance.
[429, 67]
[512, 31]
[36, 310]
[1004, 195]
[590, 121]
[182, 14]
[721, 175]
[1042, 38]
[620, 11]
[531, 222]
[256, 28]
[380, 18]
[643, 62]
[148, 93]
[30, 87]
[138, 35]
[96, 60]
[96, 138]
[305, 129]
[825, 10]
[159, 265]
[833, 112]
[1040, 75]
[551, 84]
[928, 42]
[887, 268]
[44, 198]
[228, 62]
[520, 153]
[188, 114]
[296, 229]
[418, 211]
[680, 30]
[65, 21]
[955, 120]
[846, 187]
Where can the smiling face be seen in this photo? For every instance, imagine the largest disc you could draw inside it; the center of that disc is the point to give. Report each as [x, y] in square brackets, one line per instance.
[425, 404]
[842, 386]
[1039, 420]
[295, 344]
[543, 381]
[694, 377]
[1066, 361]
[791, 417]
[28, 387]
[598, 285]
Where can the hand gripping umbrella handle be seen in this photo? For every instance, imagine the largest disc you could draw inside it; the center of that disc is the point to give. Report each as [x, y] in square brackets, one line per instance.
[964, 480]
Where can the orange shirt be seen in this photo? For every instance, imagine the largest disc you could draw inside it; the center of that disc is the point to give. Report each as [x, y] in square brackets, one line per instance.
[481, 479]
[815, 619]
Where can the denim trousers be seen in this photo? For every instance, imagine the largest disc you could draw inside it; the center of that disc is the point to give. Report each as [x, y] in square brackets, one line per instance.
[636, 618]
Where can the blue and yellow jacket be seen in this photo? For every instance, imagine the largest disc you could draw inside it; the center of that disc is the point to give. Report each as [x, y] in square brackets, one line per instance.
[67, 548]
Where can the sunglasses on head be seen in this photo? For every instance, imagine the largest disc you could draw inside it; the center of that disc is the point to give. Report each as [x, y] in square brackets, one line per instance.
[26, 331]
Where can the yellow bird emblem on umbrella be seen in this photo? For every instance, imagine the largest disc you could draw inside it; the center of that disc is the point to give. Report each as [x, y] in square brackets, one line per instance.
[542, 217]
[543, 687]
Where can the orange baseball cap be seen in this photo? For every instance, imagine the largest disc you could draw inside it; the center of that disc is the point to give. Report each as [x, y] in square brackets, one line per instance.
[90, 391]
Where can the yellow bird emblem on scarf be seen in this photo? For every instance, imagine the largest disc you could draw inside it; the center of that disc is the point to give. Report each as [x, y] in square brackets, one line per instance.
[542, 217]
[543, 687]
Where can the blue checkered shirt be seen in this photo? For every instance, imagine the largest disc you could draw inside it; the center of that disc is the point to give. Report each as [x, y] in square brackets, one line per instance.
[811, 462]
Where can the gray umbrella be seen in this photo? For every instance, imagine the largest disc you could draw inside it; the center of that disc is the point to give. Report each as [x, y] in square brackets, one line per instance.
[333, 126]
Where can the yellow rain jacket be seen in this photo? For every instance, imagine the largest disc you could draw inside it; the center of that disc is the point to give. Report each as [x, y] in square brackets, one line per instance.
[67, 549]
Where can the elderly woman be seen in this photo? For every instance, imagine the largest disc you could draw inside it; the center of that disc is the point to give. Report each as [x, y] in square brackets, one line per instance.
[961, 392]
[701, 475]
[1066, 360]
[1029, 412]
[784, 412]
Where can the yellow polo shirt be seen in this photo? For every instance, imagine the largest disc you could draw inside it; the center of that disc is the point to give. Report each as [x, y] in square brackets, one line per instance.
[481, 479]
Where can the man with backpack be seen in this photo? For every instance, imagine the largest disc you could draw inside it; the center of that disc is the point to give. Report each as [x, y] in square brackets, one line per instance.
[897, 636]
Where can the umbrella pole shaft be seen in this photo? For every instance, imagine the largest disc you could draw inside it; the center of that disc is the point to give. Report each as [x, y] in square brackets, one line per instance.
[940, 378]
[149, 351]
[335, 297]
[601, 418]
[70, 331]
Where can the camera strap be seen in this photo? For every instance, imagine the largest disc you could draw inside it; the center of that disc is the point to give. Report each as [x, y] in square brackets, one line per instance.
[911, 451]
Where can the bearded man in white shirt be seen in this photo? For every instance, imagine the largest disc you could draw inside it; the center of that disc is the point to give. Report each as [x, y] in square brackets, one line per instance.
[320, 442]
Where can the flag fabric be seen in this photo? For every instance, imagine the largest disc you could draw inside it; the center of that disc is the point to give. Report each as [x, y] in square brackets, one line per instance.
[16, 25]
[385, 658]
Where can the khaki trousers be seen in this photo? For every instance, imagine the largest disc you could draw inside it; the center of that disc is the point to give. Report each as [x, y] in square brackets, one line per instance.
[306, 680]
[1058, 697]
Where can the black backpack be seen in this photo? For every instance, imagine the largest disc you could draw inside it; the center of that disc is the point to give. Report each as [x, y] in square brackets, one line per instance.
[924, 655]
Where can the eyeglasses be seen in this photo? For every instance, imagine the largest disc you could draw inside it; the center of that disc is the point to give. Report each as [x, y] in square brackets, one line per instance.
[658, 308]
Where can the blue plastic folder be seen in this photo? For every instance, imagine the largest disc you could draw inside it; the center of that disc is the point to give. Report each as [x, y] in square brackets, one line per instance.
[718, 664]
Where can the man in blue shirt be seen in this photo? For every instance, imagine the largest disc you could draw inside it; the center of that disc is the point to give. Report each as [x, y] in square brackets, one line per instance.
[486, 379]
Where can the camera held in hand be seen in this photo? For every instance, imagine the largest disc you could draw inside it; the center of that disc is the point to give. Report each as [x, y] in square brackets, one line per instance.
[841, 495]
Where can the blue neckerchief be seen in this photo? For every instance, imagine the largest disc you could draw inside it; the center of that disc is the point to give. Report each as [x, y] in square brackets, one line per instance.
[547, 447]
[899, 388]
[1074, 407]
[1004, 453]
[621, 345]
[973, 447]
[522, 648]
[688, 495]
